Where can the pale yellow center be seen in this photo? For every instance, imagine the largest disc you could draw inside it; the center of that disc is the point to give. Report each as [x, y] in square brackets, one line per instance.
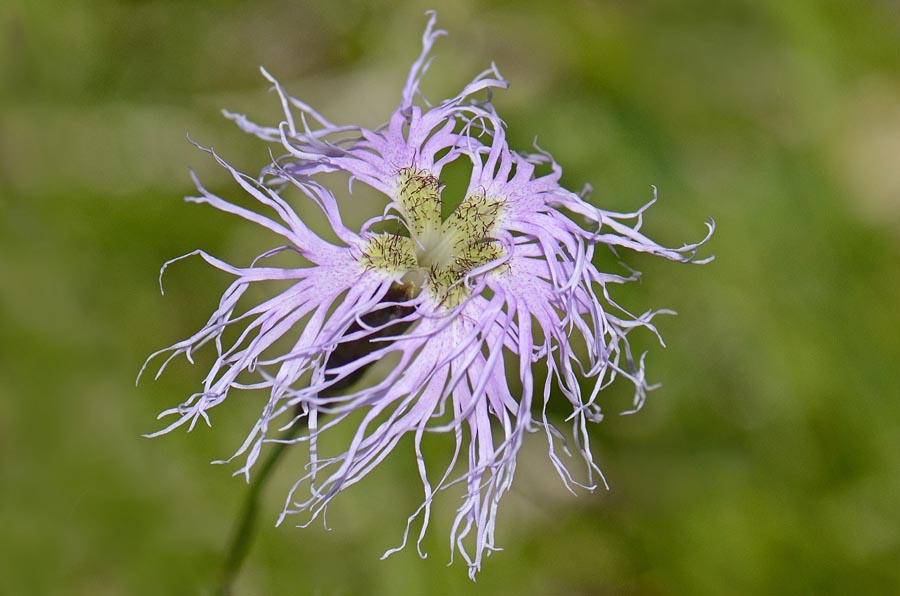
[437, 255]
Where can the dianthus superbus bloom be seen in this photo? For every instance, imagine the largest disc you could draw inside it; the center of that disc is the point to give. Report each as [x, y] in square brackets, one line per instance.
[446, 305]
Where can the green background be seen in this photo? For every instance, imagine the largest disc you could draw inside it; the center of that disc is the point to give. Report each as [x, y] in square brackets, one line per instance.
[769, 461]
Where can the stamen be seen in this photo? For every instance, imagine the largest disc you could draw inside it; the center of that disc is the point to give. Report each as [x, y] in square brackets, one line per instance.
[439, 255]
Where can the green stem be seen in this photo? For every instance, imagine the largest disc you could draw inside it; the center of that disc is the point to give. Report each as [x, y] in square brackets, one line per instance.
[243, 535]
[346, 352]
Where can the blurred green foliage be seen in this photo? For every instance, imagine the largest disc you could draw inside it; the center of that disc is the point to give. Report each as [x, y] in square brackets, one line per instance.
[769, 461]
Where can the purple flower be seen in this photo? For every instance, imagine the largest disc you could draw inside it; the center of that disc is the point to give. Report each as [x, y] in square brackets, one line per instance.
[444, 305]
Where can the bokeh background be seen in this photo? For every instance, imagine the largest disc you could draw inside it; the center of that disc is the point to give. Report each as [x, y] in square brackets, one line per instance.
[769, 461]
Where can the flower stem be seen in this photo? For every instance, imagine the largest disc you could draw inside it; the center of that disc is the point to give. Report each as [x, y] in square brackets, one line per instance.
[343, 354]
[243, 534]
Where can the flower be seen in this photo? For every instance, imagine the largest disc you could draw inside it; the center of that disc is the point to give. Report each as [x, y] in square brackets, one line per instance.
[506, 278]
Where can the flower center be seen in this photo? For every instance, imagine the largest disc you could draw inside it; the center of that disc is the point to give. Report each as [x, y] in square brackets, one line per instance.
[437, 255]
[434, 248]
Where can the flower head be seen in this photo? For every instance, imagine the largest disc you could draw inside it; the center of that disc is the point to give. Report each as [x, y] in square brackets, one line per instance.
[507, 277]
